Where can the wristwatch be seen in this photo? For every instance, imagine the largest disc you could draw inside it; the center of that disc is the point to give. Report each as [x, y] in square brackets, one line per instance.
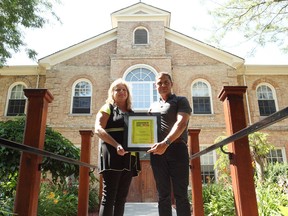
[167, 142]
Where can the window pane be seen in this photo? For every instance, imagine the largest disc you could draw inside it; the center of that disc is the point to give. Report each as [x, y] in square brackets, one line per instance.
[17, 101]
[266, 107]
[264, 93]
[141, 36]
[200, 89]
[82, 89]
[16, 107]
[141, 81]
[17, 92]
[141, 96]
[275, 156]
[81, 104]
[140, 74]
[82, 98]
[201, 98]
[201, 105]
[266, 101]
[207, 167]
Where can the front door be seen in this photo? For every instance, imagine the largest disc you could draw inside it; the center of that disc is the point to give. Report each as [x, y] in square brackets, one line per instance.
[143, 187]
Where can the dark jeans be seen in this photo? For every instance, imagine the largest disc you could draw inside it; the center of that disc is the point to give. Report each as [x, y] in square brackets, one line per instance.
[115, 190]
[172, 168]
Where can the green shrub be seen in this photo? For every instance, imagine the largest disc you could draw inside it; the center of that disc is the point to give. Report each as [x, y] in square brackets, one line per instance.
[272, 194]
[218, 200]
[62, 199]
[55, 200]
[63, 191]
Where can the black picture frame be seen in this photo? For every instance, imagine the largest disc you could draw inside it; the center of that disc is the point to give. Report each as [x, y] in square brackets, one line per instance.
[141, 131]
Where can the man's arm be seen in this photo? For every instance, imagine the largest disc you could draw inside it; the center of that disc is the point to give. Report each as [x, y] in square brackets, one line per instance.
[177, 129]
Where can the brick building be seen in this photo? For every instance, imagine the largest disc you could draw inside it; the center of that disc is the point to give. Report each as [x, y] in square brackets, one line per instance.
[139, 45]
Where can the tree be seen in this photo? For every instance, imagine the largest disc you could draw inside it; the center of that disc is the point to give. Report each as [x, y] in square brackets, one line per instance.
[259, 148]
[16, 15]
[259, 21]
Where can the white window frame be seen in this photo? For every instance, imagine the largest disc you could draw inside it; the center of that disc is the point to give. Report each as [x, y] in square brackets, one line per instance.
[209, 92]
[140, 28]
[73, 94]
[214, 155]
[148, 67]
[9, 95]
[284, 156]
[273, 94]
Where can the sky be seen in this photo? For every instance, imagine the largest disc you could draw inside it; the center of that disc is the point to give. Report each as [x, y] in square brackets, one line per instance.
[83, 19]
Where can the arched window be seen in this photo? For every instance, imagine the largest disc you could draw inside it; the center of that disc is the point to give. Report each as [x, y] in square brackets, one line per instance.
[82, 93]
[201, 98]
[17, 100]
[142, 82]
[266, 100]
[140, 36]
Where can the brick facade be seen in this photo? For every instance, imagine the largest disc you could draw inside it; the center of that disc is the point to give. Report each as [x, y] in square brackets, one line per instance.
[109, 60]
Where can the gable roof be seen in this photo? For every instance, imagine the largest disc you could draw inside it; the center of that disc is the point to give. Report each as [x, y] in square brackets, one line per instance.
[141, 12]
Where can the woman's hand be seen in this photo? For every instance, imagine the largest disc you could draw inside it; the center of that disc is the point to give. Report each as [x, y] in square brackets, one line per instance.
[120, 150]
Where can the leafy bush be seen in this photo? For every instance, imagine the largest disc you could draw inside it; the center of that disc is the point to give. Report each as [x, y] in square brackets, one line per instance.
[62, 200]
[271, 185]
[57, 144]
[272, 195]
[55, 201]
[65, 195]
[218, 200]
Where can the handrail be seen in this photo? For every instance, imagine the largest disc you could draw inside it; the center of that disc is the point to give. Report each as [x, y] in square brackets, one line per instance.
[32, 150]
[273, 118]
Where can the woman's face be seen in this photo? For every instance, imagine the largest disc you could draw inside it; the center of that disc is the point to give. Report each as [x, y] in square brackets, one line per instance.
[120, 93]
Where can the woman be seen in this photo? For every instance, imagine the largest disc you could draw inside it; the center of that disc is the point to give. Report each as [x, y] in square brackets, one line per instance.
[117, 165]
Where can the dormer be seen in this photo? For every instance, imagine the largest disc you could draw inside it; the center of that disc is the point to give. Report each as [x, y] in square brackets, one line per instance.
[140, 30]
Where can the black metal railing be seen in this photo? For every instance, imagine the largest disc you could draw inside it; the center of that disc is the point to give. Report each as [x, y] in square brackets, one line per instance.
[272, 119]
[36, 151]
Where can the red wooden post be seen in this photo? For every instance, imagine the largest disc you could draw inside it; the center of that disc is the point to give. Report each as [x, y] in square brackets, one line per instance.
[241, 162]
[100, 187]
[26, 200]
[83, 194]
[197, 196]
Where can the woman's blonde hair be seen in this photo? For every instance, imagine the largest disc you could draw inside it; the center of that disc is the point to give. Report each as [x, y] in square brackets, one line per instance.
[110, 99]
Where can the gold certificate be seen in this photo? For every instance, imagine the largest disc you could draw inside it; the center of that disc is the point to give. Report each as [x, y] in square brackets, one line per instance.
[141, 131]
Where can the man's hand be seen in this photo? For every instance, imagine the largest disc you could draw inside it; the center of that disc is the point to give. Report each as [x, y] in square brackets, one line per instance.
[158, 148]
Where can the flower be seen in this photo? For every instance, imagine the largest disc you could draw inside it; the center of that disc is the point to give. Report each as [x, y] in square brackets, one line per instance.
[51, 195]
[55, 201]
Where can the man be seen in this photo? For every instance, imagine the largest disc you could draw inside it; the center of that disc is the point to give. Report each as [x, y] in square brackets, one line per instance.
[169, 156]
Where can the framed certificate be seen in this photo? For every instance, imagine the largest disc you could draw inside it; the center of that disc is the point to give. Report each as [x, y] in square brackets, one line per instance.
[141, 131]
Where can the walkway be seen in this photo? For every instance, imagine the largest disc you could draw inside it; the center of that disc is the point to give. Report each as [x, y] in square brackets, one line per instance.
[142, 209]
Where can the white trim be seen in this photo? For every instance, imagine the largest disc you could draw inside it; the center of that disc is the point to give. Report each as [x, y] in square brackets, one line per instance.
[265, 70]
[9, 95]
[205, 49]
[273, 93]
[138, 66]
[73, 93]
[140, 12]
[137, 28]
[77, 49]
[22, 70]
[209, 91]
